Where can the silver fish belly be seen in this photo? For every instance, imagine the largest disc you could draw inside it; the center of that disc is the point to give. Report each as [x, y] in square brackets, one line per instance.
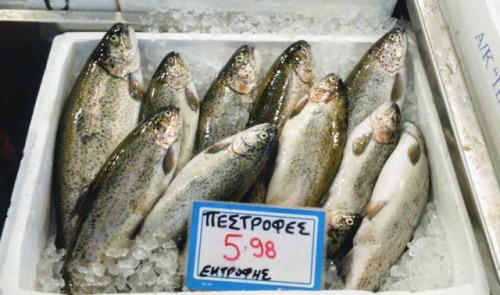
[224, 172]
[380, 76]
[101, 110]
[392, 214]
[123, 192]
[172, 84]
[367, 149]
[310, 146]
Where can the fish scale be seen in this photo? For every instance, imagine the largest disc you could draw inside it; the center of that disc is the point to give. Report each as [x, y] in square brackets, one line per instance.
[379, 76]
[222, 172]
[310, 146]
[124, 191]
[101, 110]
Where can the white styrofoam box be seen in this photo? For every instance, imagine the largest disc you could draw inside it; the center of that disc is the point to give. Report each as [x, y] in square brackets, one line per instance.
[475, 30]
[336, 8]
[30, 218]
[95, 5]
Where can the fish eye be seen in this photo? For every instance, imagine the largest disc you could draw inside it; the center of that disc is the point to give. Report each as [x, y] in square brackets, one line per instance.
[168, 113]
[170, 60]
[349, 221]
[114, 39]
[263, 136]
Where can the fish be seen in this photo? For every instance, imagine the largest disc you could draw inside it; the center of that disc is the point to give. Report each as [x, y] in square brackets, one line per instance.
[341, 228]
[226, 107]
[287, 81]
[222, 172]
[123, 192]
[172, 84]
[379, 76]
[392, 214]
[367, 149]
[102, 109]
[311, 146]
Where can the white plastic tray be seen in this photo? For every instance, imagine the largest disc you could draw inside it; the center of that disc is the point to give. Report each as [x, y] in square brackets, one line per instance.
[30, 219]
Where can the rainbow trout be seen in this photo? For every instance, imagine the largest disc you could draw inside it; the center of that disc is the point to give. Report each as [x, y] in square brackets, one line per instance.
[101, 110]
[392, 215]
[123, 192]
[380, 76]
[222, 172]
[226, 107]
[310, 147]
[172, 84]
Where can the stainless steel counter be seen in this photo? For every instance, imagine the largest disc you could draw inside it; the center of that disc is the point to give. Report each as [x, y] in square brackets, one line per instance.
[472, 163]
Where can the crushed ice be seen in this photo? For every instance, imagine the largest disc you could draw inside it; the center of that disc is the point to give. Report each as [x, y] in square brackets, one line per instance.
[144, 266]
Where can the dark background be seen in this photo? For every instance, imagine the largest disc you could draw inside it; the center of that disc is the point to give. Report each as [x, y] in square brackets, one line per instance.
[24, 49]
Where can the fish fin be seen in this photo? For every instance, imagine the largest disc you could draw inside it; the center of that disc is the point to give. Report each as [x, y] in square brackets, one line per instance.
[414, 153]
[373, 208]
[299, 107]
[192, 100]
[397, 88]
[169, 162]
[135, 87]
[359, 144]
[217, 147]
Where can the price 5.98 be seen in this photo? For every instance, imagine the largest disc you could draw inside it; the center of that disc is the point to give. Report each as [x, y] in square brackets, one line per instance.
[262, 249]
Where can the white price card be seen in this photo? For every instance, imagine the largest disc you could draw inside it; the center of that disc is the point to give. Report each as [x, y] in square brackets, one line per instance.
[235, 246]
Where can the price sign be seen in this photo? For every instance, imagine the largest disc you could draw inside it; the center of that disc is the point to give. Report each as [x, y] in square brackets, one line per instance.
[255, 247]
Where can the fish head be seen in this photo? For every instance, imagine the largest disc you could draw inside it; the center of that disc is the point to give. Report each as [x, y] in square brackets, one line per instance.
[327, 88]
[245, 67]
[173, 71]
[385, 122]
[299, 54]
[391, 50]
[167, 126]
[343, 221]
[254, 140]
[118, 51]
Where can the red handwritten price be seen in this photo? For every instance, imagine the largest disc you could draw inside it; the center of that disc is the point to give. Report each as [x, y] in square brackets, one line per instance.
[266, 249]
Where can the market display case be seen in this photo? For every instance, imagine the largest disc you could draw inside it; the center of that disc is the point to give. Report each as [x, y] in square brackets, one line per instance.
[438, 101]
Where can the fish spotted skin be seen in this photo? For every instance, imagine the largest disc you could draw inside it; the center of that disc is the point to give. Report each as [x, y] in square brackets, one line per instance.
[310, 147]
[367, 149]
[341, 228]
[392, 215]
[380, 76]
[172, 84]
[123, 192]
[222, 172]
[101, 110]
[286, 82]
[227, 105]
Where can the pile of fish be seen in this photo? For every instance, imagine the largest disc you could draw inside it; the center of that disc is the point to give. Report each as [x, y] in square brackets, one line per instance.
[129, 162]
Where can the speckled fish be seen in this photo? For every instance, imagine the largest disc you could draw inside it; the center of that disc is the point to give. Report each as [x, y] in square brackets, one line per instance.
[172, 84]
[392, 214]
[380, 76]
[287, 81]
[310, 147]
[226, 107]
[367, 149]
[341, 228]
[124, 191]
[102, 109]
[222, 172]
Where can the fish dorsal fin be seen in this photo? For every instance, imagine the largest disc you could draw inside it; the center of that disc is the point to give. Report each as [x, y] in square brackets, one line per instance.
[170, 160]
[373, 208]
[414, 153]
[397, 88]
[217, 147]
[359, 144]
[192, 100]
[299, 107]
